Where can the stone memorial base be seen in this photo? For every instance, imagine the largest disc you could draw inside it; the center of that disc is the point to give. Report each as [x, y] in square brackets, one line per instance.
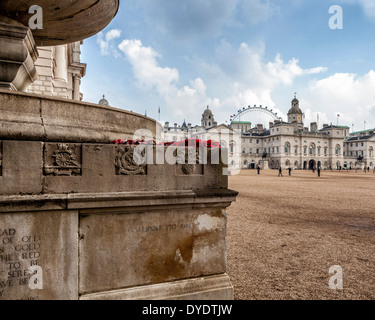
[80, 220]
[264, 165]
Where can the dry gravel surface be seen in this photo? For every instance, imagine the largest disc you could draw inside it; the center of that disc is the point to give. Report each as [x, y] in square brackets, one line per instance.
[284, 235]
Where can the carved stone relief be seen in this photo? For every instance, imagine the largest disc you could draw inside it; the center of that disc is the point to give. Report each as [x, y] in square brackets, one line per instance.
[129, 161]
[190, 161]
[63, 159]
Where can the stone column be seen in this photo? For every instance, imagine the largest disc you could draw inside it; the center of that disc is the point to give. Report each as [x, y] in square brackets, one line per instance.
[17, 55]
[76, 86]
[61, 71]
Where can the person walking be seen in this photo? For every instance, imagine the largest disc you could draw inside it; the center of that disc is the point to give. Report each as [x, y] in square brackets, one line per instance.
[319, 171]
[290, 171]
[258, 169]
[280, 172]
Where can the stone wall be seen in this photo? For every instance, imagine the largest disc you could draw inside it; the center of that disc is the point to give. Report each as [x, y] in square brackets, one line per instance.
[91, 222]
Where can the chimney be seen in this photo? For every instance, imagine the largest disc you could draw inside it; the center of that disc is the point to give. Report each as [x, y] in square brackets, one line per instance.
[189, 126]
[313, 127]
[325, 125]
[166, 125]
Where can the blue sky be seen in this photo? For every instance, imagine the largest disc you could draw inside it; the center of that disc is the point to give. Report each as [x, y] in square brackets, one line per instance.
[187, 54]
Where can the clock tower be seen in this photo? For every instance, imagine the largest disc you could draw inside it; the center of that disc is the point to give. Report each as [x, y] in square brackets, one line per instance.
[295, 115]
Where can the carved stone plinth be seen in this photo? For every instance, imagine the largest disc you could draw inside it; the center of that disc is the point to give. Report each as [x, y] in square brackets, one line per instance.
[17, 55]
[264, 165]
[81, 218]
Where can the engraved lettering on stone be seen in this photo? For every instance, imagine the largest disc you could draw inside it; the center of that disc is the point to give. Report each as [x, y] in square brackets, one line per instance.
[65, 160]
[17, 254]
[126, 161]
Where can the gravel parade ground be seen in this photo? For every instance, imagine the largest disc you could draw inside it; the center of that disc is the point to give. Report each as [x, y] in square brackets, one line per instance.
[285, 233]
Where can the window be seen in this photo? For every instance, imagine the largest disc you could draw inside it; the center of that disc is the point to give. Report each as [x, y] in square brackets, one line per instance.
[319, 151]
[312, 149]
[305, 150]
[257, 141]
[244, 150]
[287, 148]
[338, 150]
[295, 150]
[257, 151]
[325, 151]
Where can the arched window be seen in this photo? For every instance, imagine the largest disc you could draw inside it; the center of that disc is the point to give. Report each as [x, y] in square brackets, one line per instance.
[296, 150]
[319, 151]
[325, 151]
[338, 150]
[312, 149]
[287, 163]
[371, 152]
[287, 148]
[305, 150]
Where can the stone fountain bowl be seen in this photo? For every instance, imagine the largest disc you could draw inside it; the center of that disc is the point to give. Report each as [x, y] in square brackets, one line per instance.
[64, 21]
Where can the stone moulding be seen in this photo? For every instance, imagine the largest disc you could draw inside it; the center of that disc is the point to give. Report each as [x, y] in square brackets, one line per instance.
[122, 201]
[196, 289]
[51, 119]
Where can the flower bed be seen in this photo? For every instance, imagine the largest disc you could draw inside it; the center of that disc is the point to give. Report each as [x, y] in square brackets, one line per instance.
[184, 143]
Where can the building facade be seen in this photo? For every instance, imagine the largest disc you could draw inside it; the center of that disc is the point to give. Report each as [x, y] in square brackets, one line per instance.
[59, 71]
[285, 144]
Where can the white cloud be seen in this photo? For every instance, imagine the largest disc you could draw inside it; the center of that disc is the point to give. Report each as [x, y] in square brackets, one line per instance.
[104, 41]
[196, 18]
[257, 11]
[242, 75]
[350, 95]
[368, 7]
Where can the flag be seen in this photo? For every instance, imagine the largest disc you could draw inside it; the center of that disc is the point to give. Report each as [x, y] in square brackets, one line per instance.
[338, 115]
[365, 122]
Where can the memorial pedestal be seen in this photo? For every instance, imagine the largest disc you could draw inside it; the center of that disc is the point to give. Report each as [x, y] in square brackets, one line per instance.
[95, 225]
[264, 165]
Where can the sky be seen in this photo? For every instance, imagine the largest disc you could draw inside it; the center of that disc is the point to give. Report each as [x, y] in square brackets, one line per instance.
[185, 55]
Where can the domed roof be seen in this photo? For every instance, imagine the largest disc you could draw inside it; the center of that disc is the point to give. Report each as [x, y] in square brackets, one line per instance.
[104, 102]
[207, 112]
[295, 109]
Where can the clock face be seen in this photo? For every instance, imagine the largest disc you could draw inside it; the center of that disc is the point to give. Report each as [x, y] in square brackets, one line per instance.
[299, 118]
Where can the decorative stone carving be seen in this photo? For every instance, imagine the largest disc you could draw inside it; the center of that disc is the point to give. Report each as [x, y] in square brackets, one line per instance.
[190, 160]
[128, 160]
[63, 159]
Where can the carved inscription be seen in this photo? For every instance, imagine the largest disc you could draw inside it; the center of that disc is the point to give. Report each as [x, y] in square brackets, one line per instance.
[1, 158]
[63, 159]
[179, 226]
[17, 254]
[129, 161]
